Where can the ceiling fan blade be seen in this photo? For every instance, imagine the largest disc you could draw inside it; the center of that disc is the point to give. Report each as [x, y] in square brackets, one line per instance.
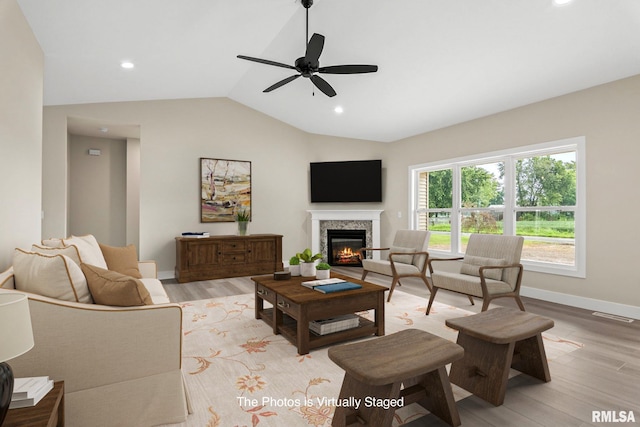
[267, 62]
[314, 48]
[348, 69]
[323, 85]
[281, 83]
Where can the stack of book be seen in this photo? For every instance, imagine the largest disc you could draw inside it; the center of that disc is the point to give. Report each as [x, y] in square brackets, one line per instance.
[330, 285]
[196, 234]
[28, 391]
[335, 324]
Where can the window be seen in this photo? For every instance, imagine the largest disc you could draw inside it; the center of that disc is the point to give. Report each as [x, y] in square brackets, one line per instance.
[537, 192]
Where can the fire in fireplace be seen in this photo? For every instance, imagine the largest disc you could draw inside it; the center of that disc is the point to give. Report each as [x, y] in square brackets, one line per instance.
[343, 247]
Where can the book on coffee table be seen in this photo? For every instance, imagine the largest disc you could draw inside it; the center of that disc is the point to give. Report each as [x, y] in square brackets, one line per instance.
[311, 284]
[336, 287]
[334, 324]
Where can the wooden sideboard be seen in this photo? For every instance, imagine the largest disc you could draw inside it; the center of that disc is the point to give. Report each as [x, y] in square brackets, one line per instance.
[216, 257]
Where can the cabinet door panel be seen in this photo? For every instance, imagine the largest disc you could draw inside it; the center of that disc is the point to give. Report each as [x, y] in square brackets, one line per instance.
[262, 250]
[203, 254]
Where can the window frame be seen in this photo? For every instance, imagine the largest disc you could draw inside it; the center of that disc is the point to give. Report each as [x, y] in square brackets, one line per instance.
[509, 157]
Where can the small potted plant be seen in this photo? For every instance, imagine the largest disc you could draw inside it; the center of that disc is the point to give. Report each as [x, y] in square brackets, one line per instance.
[242, 218]
[308, 267]
[323, 271]
[294, 266]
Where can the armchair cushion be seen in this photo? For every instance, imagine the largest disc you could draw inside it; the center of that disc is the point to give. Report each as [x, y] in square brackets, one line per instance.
[55, 276]
[467, 284]
[404, 259]
[124, 260]
[115, 289]
[471, 266]
[384, 267]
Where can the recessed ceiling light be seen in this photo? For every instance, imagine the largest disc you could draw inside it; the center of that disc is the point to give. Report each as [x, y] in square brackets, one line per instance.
[127, 64]
[338, 110]
[104, 130]
[561, 2]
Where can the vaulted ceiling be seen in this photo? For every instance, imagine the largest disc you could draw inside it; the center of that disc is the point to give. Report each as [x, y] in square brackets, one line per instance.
[440, 62]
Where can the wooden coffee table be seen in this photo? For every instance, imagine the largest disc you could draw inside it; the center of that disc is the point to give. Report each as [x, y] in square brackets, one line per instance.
[293, 306]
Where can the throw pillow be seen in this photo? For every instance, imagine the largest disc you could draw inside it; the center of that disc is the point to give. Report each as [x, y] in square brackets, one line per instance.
[88, 248]
[53, 242]
[122, 260]
[404, 259]
[471, 265]
[56, 276]
[112, 288]
[70, 251]
[6, 279]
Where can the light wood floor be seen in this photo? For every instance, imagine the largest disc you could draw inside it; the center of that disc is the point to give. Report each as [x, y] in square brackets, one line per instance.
[603, 375]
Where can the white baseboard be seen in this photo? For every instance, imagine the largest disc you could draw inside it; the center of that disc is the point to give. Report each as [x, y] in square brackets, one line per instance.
[582, 302]
[163, 275]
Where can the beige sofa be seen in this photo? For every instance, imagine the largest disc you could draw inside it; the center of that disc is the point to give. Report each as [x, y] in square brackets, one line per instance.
[121, 365]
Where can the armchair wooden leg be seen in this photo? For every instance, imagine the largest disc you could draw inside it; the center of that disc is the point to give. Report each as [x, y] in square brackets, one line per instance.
[471, 300]
[434, 290]
[520, 304]
[426, 282]
[485, 303]
[393, 286]
[364, 274]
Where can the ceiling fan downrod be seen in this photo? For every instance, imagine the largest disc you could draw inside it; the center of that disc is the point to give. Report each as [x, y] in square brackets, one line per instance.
[307, 4]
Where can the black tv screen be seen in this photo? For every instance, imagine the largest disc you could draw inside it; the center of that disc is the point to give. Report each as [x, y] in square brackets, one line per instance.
[349, 181]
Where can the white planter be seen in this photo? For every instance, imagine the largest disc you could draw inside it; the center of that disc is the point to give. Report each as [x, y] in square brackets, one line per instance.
[308, 269]
[323, 274]
[294, 270]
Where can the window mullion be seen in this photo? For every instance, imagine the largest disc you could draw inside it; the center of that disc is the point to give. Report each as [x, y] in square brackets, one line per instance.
[509, 219]
[456, 202]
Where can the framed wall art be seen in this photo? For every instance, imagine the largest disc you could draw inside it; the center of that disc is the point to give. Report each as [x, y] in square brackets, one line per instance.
[225, 188]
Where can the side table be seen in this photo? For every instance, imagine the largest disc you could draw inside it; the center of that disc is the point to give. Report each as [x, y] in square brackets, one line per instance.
[49, 412]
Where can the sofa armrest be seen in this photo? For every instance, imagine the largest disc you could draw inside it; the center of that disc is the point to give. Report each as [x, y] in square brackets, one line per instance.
[148, 269]
[91, 346]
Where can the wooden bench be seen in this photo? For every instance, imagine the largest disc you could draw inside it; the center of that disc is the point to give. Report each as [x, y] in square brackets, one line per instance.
[376, 369]
[494, 341]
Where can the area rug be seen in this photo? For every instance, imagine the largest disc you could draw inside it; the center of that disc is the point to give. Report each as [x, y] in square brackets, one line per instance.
[238, 373]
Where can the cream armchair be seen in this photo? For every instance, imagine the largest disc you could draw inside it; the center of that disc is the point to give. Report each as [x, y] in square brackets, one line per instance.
[490, 269]
[407, 258]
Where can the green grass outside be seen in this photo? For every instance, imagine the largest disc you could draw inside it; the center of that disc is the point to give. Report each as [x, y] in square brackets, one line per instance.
[558, 229]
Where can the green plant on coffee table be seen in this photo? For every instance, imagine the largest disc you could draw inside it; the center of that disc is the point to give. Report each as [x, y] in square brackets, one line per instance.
[323, 266]
[306, 256]
[294, 260]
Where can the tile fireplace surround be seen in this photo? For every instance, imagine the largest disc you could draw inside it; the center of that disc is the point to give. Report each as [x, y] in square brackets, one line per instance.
[322, 220]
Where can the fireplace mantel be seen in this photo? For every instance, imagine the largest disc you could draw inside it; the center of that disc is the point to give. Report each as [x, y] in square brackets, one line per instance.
[345, 215]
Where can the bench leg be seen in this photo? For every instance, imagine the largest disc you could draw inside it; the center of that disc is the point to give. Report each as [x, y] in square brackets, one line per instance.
[484, 369]
[372, 416]
[433, 392]
[530, 358]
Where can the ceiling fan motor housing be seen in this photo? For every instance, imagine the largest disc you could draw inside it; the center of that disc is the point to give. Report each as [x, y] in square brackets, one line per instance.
[307, 3]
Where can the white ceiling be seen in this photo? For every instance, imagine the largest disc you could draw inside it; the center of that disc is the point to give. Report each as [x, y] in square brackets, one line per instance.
[440, 62]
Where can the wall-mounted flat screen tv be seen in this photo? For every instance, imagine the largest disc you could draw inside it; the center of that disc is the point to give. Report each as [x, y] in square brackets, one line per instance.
[348, 181]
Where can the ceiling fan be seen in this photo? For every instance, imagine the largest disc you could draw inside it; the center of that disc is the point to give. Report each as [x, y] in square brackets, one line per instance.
[309, 65]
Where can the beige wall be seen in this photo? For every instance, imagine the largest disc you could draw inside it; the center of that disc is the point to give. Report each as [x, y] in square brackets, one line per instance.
[174, 134]
[21, 82]
[98, 189]
[608, 116]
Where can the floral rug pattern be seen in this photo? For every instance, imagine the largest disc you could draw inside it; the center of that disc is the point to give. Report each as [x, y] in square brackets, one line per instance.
[238, 373]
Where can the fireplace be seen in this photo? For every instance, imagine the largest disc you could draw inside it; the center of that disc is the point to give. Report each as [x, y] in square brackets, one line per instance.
[343, 247]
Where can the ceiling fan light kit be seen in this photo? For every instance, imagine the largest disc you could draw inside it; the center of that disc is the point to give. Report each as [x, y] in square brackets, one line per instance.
[308, 66]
